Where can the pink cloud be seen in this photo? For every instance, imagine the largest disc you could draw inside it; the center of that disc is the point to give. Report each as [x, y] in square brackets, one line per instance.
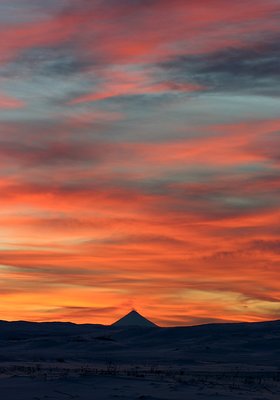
[8, 102]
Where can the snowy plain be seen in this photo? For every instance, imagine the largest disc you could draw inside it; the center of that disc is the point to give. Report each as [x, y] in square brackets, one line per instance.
[68, 361]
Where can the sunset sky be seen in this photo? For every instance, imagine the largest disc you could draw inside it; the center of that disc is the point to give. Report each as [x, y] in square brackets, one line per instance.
[140, 160]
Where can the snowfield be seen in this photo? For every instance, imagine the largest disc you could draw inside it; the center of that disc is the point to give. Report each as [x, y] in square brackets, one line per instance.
[68, 361]
[41, 381]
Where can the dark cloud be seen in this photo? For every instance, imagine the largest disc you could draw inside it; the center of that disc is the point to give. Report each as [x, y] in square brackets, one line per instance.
[59, 153]
[84, 310]
[71, 313]
[271, 246]
[140, 240]
[54, 61]
[268, 146]
[255, 68]
[110, 5]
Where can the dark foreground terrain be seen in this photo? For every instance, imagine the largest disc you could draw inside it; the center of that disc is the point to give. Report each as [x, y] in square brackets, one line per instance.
[64, 361]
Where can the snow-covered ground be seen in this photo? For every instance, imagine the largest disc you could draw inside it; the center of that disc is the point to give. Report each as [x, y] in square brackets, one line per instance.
[68, 361]
[41, 381]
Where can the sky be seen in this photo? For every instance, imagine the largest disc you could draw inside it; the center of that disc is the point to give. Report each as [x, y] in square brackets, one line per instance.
[140, 160]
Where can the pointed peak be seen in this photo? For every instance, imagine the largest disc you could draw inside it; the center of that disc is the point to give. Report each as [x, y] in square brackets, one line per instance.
[133, 312]
[134, 318]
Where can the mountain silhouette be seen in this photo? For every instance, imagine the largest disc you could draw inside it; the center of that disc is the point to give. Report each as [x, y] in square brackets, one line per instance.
[133, 318]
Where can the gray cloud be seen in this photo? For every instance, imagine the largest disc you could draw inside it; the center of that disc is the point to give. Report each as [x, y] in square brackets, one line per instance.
[255, 69]
[49, 61]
